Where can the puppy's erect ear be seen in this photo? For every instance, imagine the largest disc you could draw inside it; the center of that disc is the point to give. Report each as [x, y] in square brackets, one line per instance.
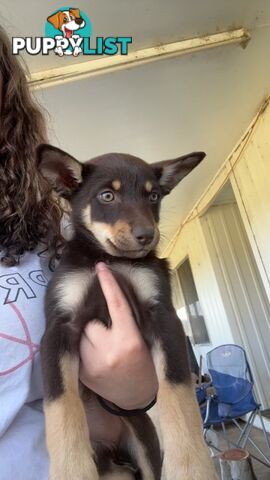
[55, 20]
[75, 12]
[171, 172]
[62, 170]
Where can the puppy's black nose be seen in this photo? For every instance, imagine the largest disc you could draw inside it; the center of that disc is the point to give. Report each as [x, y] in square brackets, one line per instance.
[79, 21]
[144, 235]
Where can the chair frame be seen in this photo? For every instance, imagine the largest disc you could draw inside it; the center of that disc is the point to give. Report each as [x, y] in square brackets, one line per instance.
[245, 431]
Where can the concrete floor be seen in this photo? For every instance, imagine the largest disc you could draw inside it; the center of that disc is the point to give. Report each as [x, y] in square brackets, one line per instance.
[262, 472]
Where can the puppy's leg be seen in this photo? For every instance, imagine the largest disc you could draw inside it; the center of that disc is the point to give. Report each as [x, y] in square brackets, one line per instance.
[186, 455]
[118, 474]
[67, 435]
[143, 446]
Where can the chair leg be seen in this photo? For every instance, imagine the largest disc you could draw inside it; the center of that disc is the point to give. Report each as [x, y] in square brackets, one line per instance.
[246, 438]
[247, 429]
[266, 435]
[211, 439]
[225, 434]
[243, 430]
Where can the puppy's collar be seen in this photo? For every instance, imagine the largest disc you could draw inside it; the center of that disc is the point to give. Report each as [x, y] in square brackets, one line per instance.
[121, 412]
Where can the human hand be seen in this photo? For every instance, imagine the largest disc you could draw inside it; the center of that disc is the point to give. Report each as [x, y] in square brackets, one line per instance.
[116, 363]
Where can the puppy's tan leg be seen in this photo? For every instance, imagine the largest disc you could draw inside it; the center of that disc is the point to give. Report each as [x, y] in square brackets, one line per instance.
[143, 445]
[118, 473]
[186, 455]
[67, 435]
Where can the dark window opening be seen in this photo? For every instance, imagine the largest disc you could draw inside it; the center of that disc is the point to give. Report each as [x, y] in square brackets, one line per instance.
[192, 304]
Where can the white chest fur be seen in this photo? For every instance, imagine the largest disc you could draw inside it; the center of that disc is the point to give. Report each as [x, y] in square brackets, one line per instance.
[143, 280]
[72, 288]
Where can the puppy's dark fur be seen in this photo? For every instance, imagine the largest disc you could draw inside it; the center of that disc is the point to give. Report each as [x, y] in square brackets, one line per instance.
[115, 202]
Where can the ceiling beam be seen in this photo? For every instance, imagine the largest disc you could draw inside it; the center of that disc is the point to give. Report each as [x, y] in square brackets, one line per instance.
[109, 64]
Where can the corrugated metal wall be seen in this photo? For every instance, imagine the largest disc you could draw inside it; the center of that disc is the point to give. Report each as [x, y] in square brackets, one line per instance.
[250, 182]
[193, 245]
[242, 290]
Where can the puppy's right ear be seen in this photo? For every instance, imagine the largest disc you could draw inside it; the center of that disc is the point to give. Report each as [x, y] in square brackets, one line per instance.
[62, 170]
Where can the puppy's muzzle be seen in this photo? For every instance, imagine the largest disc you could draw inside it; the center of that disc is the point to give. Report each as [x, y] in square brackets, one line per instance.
[143, 235]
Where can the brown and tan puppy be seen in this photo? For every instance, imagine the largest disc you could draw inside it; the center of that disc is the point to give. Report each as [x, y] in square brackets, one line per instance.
[115, 202]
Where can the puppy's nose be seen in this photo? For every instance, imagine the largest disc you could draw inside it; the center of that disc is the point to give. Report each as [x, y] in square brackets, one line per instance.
[79, 21]
[144, 235]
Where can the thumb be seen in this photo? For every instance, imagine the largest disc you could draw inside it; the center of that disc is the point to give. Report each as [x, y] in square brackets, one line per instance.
[117, 304]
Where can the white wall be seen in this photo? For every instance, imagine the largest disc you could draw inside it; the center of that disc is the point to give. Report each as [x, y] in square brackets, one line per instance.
[243, 293]
[252, 190]
[248, 170]
[192, 244]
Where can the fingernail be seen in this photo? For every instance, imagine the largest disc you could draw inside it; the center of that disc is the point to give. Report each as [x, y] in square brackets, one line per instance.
[101, 266]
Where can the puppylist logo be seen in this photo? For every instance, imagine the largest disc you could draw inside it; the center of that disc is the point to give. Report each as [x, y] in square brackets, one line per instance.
[68, 32]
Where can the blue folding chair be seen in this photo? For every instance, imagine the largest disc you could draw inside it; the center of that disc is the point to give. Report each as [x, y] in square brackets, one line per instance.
[233, 396]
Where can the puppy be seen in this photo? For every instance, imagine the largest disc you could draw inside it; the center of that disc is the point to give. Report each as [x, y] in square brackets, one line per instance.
[68, 22]
[115, 201]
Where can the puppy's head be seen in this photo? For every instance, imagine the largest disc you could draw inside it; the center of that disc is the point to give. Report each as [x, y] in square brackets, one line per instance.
[115, 197]
[67, 21]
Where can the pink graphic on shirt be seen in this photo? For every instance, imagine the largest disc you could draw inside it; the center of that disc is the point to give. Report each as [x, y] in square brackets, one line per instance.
[32, 347]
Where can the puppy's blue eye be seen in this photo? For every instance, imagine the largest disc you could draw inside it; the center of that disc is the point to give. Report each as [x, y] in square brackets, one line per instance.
[154, 197]
[106, 197]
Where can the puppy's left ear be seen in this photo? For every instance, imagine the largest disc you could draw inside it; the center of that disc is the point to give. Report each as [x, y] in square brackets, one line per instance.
[61, 170]
[55, 20]
[171, 172]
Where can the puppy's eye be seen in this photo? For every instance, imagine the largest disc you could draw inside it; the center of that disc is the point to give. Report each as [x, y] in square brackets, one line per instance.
[65, 20]
[106, 197]
[72, 17]
[154, 197]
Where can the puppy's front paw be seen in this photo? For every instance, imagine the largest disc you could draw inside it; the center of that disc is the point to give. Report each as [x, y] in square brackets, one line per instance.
[77, 51]
[59, 51]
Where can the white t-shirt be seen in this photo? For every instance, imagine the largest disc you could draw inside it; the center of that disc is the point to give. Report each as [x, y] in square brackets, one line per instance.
[23, 453]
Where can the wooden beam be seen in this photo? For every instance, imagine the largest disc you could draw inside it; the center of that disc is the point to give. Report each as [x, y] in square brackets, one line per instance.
[109, 64]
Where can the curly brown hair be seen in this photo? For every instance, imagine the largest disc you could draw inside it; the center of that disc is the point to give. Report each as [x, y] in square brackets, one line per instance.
[29, 212]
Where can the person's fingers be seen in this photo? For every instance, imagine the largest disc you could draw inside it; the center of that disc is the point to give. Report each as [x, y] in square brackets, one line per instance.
[93, 331]
[113, 294]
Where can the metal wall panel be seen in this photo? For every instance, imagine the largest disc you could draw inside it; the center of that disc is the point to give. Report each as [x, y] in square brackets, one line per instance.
[250, 182]
[242, 289]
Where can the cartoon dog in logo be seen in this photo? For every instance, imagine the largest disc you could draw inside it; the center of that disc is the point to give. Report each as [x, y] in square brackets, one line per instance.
[67, 21]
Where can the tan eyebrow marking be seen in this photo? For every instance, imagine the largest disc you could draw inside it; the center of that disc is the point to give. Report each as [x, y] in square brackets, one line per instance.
[116, 184]
[148, 186]
[86, 217]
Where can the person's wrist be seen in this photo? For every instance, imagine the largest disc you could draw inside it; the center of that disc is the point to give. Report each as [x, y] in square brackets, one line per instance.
[139, 396]
[136, 405]
[116, 410]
